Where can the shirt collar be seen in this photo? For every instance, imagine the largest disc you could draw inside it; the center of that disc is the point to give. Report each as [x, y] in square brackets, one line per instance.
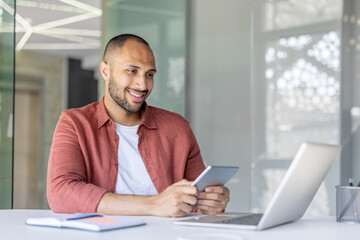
[102, 114]
[147, 119]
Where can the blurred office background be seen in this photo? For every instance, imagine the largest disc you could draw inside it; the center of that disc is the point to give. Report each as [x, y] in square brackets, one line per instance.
[255, 78]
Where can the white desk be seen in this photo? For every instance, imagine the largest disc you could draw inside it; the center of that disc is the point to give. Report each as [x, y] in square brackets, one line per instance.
[12, 227]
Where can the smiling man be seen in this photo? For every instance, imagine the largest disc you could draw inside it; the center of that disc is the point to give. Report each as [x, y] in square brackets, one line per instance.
[121, 156]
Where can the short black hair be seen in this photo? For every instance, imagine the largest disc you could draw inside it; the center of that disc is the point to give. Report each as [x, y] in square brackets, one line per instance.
[119, 41]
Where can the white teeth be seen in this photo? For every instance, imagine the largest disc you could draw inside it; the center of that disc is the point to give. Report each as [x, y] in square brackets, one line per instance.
[135, 95]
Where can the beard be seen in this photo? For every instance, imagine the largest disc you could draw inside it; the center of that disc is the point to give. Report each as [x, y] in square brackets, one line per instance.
[118, 95]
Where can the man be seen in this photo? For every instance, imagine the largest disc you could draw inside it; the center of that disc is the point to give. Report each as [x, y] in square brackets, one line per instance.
[121, 156]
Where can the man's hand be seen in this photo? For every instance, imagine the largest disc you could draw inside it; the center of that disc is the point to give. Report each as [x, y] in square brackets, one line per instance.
[213, 200]
[176, 201]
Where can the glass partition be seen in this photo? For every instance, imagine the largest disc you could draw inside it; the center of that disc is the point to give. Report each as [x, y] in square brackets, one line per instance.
[56, 55]
[6, 101]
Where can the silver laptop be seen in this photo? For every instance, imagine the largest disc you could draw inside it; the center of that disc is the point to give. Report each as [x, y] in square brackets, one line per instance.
[292, 198]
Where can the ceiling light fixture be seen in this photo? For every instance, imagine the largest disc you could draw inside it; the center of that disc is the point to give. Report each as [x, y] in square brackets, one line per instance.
[23, 40]
[64, 21]
[50, 28]
[22, 21]
[83, 6]
[72, 38]
[49, 6]
[71, 31]
[148, 10]
[58, 46]
[6, 7]
[27, 28]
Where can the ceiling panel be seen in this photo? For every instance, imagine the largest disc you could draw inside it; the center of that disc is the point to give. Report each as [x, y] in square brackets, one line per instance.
[69, 28]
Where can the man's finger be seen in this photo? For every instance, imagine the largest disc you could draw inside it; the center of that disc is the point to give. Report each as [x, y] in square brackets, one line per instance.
[204, 209]
[183, 182]
[186, 208]
[212, 196]
[178, 213]
[217, 189]
[189, 199]
[190, 190]
[211, 203]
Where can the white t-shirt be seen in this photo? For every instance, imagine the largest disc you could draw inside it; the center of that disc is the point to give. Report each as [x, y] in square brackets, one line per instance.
[132, 177]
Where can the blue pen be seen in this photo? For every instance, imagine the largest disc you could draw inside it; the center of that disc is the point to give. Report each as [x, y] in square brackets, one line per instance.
[85, 215]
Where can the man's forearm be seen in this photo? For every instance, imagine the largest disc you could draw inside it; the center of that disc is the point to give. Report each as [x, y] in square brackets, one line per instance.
[117, 204]
[175, 201]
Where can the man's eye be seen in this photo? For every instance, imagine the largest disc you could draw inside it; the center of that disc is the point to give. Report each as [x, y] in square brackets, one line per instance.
[131, 70]
[150, 75]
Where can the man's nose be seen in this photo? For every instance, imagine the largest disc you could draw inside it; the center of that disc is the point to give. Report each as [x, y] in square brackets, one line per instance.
[140, 82]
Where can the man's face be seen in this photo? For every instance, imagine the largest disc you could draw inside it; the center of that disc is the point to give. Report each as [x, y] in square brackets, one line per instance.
[132, 71]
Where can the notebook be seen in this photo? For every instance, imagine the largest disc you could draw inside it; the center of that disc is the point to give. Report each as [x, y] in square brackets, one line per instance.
[292, 197]
[89, 221]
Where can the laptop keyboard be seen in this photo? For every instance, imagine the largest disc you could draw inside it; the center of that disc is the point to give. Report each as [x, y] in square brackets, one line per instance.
[252, 219]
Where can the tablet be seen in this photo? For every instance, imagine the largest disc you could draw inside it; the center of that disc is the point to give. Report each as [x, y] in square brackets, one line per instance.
[214, 175]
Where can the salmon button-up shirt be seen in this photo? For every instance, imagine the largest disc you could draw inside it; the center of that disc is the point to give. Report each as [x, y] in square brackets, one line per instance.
[83, 162]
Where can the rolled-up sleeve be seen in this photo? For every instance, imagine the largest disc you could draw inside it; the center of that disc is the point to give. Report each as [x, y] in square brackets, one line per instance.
[68, 190]
[195, 164]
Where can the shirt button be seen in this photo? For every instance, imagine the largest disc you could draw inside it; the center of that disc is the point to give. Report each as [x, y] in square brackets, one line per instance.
[116, 138]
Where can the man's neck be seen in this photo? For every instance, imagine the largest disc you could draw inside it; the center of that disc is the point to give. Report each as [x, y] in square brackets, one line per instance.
[120, 115]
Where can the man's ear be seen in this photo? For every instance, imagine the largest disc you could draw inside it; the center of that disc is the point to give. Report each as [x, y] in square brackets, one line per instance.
[105, 70]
